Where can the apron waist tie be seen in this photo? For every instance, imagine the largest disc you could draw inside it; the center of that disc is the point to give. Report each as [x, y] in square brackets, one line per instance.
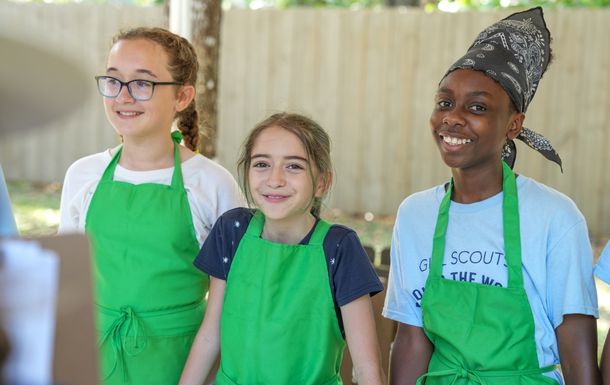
[129, 320]
[477, 376]
[128, 323]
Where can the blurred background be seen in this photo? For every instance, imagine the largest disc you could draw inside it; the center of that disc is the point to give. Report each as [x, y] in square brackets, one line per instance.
[365, 69]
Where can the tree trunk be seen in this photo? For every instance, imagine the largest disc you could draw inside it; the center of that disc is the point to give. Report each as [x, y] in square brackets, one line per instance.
[206, 18]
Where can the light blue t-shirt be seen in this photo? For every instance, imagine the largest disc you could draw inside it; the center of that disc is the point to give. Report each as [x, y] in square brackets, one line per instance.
[7, 221]
[556, 255]
[602, 270]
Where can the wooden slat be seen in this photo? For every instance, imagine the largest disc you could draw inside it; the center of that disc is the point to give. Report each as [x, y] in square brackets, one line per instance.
[368, 77]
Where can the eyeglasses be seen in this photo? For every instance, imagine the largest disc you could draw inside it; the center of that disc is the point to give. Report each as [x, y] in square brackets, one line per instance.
[139, 89]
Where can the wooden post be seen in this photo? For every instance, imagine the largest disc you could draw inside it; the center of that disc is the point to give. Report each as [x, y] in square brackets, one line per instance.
[206, 18]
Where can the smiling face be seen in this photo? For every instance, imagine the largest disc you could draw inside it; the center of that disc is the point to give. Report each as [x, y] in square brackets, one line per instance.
[472, 118]
[281, 177]
[147, 60]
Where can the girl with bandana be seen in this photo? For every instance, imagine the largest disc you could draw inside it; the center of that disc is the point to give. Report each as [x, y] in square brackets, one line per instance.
[147, 206]
[492, 279]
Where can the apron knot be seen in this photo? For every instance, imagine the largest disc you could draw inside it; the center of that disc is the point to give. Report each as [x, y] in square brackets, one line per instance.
[176, 136]
[126, 334]
[467, 374]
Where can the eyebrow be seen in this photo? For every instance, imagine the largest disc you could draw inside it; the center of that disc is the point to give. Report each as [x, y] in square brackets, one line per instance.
[289, 157]
[473, 93]
[139, 71]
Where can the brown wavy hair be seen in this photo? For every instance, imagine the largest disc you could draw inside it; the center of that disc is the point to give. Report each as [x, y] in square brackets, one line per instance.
[313, 137]
[183, 66]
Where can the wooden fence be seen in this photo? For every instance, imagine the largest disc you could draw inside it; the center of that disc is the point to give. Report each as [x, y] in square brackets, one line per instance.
[367, 76]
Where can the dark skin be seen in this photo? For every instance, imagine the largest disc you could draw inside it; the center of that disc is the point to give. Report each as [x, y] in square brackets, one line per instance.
[410, 355]
[472, 119]
[605, 361]
[576, 337]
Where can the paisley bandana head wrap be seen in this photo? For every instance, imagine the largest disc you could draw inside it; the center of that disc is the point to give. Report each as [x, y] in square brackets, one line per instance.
[514, 52]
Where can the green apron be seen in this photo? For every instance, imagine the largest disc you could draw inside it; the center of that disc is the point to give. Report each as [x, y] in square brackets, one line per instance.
[149, 295]
[278, 323]
[481, 334]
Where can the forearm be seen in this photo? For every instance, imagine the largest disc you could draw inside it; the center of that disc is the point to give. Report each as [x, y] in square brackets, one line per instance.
[201, 359]
[369, 374]
[605, 361]
[361, 336]
[577, 339]
[410, 355]
[206, 345]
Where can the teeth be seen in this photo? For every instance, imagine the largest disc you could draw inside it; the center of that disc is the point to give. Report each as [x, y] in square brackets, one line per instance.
[455, 141]
[125, 113]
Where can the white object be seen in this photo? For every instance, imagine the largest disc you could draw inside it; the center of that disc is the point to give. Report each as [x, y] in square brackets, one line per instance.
[28, 292]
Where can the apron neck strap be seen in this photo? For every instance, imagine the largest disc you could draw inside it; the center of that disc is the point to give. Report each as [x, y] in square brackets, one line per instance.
[109, 172]
[510, 222]
[319, 233]
[512, 228]
[257, 223]
[177, 181]
[255, 228]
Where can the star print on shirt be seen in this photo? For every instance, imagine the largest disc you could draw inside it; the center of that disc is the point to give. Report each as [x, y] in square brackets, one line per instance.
[332, 261]
[225, 260]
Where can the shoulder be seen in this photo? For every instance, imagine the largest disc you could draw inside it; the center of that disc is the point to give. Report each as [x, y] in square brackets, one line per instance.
[94, 164]
[238, 218]
[341, 240]
[539, 199]
[337, 233]
[420, 207]
[86, 171]
[199, 167]
[422, 199]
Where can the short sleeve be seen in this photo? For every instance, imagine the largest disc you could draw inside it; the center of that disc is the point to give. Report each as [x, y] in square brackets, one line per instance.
[570, 285]
[602, 269]
[219, 248]
[400, 305]
[352, 273]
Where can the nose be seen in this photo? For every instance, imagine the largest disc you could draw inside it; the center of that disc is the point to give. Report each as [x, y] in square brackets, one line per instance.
[276, 177]
[453, 118]
[124, 96]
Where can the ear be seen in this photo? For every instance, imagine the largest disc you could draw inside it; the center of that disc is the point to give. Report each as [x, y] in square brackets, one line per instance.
[515, 125]
[185, 96]
[323, 183]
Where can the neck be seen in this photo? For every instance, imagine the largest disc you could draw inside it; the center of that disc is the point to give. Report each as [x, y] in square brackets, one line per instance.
[471, 186]
[289, 232]
[147, 153]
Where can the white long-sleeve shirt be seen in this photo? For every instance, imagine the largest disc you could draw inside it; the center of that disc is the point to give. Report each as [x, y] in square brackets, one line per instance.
[210, 188]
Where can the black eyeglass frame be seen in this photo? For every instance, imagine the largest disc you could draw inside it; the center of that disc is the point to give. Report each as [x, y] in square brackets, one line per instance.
[128, 85]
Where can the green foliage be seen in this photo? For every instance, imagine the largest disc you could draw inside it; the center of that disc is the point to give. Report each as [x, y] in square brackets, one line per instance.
[142, 3]
[36, 207]
[327, 3]
[461, 5]
[442, 5]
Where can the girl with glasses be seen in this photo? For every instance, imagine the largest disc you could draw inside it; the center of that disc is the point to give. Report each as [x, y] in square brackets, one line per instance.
[147, 206]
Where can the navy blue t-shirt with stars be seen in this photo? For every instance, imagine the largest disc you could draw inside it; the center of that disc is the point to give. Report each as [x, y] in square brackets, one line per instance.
[351, 274]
